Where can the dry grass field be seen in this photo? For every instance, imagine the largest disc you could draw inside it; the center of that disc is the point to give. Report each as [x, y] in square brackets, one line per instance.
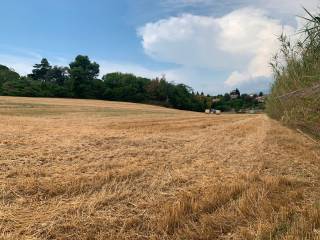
[85, 169]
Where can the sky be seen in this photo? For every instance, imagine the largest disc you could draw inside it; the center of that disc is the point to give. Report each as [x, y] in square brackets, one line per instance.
[213, 46]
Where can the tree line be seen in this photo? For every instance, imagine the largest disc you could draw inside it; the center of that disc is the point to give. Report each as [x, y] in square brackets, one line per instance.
[239, 102]
[81, 80]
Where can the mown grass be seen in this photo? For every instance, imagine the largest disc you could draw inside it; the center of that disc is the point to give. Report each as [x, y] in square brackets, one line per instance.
[295, 94]
[11, 108]
[153, 176]
[254, 208]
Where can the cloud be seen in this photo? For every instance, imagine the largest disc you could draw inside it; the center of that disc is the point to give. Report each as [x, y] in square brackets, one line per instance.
[217, 46]
[174, 39]
[249, 32]
[241, 42]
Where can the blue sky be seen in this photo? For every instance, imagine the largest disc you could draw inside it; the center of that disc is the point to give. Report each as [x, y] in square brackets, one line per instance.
[211, 45]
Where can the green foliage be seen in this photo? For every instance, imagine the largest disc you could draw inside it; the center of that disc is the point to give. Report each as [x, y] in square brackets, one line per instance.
[158, 90]
[22, 87]
[293, 99]
[80, 80]
[243, 102]
[49, 75]
[125, 87]
[58, 75]
[7, 75]
[41, 71]
[82, 73]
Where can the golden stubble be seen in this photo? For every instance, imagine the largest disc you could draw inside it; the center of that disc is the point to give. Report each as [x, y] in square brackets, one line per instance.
[85, 169]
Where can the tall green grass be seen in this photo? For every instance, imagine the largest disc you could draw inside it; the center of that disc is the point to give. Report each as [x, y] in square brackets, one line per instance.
[295, 93]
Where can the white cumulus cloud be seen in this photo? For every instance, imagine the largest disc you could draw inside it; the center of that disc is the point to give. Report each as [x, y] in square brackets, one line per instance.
[241, 42]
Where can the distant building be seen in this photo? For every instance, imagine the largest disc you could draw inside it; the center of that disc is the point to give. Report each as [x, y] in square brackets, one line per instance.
[261, 99]
[235, 94]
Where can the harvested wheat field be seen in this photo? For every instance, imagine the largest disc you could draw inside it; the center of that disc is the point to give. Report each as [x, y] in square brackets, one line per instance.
[85, 169]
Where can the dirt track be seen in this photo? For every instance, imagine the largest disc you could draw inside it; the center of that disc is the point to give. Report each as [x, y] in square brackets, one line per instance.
[76, 169]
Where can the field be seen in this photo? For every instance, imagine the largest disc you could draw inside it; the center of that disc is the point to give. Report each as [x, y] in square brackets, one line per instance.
[85, 169]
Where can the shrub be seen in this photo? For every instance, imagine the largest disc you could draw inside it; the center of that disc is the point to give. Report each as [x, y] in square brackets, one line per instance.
[295, 94]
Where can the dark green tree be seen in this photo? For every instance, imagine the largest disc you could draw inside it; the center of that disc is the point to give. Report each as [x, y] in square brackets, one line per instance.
[58, 75]
[82, 73]
[158, 90]
[81, 80]
[125, 87]
[41, 71]
[22, 87]
[7, 75]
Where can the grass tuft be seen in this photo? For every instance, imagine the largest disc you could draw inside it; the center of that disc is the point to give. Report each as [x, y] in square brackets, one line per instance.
[295, 94]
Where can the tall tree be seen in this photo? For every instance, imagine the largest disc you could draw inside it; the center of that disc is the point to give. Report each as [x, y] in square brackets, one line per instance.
[158, 89]
[41, 71]
[82, 73]
[125, 87]
[58, 75]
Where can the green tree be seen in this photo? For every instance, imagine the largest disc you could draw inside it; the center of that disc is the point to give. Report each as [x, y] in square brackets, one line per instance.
[81, 80]
[40, 71]
[158, 90]
[82, 73]
[58, 75]
[22, 87]
[6, 75]
[125, 87]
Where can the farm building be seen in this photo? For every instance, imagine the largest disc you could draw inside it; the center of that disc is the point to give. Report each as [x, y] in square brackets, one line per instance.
[235, 94]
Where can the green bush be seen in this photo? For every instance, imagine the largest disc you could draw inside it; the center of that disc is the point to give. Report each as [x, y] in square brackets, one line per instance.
[6, 75]
[22, 87]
